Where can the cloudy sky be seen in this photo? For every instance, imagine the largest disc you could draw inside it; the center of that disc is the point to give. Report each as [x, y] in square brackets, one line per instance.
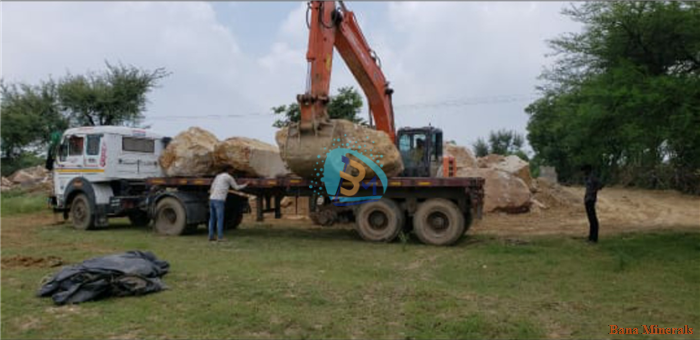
[468, 67]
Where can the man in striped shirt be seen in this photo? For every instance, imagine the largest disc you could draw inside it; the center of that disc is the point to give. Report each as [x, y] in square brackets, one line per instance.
[217, 200]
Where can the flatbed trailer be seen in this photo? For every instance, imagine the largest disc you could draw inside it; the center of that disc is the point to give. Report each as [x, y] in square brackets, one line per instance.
[438, 210]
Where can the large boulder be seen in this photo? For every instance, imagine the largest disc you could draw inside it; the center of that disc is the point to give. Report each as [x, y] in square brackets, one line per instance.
[190, 153]
[490, 160]
[464, 158]
[6, 184]
[302, 158]
[250, 156]
[38, 172]
[24, 176]
[517, 167]
[502, 190]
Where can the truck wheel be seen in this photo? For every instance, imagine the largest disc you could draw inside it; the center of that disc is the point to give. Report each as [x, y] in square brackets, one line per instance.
[139, 219]
[379, 221]
[170, 218]
[438, 222]
[232, 222]
[81, 213]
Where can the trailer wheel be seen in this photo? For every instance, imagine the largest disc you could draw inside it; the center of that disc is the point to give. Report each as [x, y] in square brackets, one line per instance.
[379, 221]
[81, 213]
[438, 222]
[170, 218]
[232, 222]
[139, 219]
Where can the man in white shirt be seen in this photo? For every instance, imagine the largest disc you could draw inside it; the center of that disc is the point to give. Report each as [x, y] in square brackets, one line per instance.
[217, 200]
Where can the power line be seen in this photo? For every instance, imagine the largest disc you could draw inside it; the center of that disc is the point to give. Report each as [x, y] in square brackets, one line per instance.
[414, 106]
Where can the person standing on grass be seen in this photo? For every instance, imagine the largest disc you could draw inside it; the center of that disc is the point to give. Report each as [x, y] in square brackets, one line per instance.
[217, 200]
[593, 185]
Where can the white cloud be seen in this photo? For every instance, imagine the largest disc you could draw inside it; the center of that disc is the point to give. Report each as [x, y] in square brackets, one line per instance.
[208, 66]
[452, 50]
[431, 52]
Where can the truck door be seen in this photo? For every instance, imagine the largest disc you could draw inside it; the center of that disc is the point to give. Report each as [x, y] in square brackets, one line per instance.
[70, 162]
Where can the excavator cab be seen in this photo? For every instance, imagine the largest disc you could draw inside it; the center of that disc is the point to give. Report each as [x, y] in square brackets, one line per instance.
[421, 151]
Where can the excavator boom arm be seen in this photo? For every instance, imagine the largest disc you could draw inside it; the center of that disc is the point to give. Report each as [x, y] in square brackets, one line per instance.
[331, 27]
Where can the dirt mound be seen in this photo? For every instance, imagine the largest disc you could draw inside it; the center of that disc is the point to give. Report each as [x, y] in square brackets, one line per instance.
[28, 261]
[554, 195]
[620, 210]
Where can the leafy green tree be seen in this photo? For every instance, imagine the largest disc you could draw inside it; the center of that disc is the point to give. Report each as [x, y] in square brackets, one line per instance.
[30, 113]
[505, 142]
[114, 97]
[623, 95]
[345, 105]
[501, 142]
[481, 148]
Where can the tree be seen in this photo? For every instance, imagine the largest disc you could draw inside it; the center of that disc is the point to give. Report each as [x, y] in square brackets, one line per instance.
[481, 148]
[114, 97]
[501, 142]
[505, 142]
[30, 113]
[345, 105]
[623, 95]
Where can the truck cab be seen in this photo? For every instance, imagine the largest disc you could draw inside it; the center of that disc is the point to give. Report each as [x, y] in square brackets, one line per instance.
[97, 163]
[421, 151]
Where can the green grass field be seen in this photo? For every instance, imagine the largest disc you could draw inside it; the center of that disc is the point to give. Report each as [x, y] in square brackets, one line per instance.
[325, 283]
[15, 202]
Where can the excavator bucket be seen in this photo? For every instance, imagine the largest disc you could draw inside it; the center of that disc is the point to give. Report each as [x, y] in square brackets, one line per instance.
[305, 151]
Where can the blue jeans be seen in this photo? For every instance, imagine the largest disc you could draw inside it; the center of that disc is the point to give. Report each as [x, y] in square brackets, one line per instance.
[216, 215]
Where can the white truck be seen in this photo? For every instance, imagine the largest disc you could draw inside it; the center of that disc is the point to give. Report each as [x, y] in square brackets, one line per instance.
[109, 171]
[112, 171]
[96, 165]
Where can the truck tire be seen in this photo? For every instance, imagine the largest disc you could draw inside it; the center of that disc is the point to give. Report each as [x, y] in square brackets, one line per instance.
[81, 213]
[139, 219]
[438, 222]
[379, 221]
[232, 220]
[170, 217]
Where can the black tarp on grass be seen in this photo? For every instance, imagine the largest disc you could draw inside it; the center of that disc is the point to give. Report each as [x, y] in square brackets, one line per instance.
[126, 274]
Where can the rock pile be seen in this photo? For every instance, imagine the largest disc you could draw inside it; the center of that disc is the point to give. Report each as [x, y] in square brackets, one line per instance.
[28, 179]
[509, 186]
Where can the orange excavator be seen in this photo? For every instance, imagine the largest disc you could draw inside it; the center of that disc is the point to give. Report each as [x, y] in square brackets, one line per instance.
[336, 27]
[433, 204]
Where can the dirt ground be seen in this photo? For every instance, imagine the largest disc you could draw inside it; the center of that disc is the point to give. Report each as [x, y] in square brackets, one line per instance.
[619, 210]
[559, 210]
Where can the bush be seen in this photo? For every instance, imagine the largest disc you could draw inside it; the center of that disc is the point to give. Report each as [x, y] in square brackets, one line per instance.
[25, 160]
